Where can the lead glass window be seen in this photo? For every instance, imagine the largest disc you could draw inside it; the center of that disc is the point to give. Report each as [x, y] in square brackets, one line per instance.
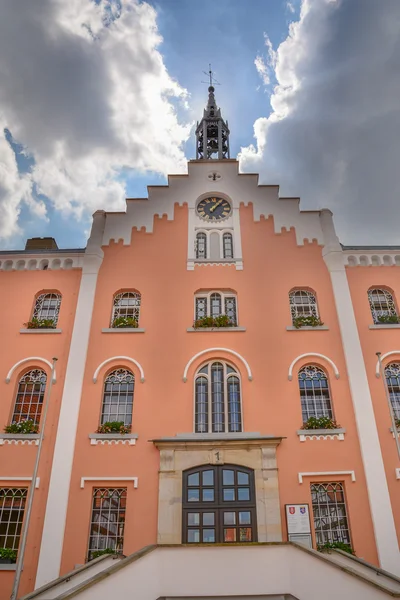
[228, 245]
[30, 395]
[118, 397]
[108, 520]
[12, 507]
[201, 245]
[330, 514]
[302, 304]
[392, 372]
[314, 393]
[214, 304]
[219, 505]
[47, 306]
[217, 399]
[126, 305]
[382, 304]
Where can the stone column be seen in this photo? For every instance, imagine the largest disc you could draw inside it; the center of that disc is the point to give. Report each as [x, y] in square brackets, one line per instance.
[378, 492]
[57, 499]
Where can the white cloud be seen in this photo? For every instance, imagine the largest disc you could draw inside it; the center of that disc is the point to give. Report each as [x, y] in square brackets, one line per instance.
[265, 65]
[262, 69]
[290, 7]
[85, 89]
[333, 132]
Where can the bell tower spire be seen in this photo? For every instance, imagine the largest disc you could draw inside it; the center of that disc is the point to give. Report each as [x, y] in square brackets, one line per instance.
[212, 133]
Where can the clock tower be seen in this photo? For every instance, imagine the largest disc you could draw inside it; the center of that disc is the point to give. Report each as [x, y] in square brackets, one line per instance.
[212, 133]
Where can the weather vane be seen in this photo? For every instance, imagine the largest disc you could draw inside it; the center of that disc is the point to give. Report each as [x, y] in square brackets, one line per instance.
[210, 74]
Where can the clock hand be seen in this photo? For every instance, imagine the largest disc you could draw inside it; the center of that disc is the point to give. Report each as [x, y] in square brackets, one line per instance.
[215, 206]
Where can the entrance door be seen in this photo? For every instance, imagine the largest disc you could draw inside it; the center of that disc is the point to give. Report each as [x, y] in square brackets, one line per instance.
[219, 505]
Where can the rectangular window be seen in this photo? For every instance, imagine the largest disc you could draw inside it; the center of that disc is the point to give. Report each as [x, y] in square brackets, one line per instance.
[108, 521]
[330, 513]
[230, 309]
[12, 507]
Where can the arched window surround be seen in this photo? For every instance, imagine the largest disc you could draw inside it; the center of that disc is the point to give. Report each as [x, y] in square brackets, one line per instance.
[312, 304]
[119, 362]
[47, 305]
[382, 303]
[124, 416]
[225, 295]
[21, 396]
[327, 410]
[130, 310]
[238, 425]
[221, 233]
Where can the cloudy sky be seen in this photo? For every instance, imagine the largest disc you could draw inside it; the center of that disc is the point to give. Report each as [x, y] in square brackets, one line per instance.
[98, 98]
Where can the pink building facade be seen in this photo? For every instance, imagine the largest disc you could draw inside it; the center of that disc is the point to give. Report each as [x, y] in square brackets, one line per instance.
[234, 340]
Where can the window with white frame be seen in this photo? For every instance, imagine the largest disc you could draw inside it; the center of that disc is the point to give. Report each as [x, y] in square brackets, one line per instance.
[227, 245]
[217, 399]
[108, 521]
[314, 393]
[215, 304]
[47, 307]
[201, 245]
[303, 304]
[392, 373]
[29, 399]
[126, 306]
[330, 513]
[12, 507]
[117, 402]
[382, 305]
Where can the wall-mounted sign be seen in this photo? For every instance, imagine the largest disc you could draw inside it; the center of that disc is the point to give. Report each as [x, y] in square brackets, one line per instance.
[298, 518]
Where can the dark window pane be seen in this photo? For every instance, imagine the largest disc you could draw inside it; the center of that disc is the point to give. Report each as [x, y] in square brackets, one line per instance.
[228, 477]
[194, 479]
[193, 518]
[244, 517]
[193, 536]
[229, 518]
[209, 536]
[208, 477]
[243, 478]
[245, 534]
[230, 535]
[208, 519]
[243, 494]
[208, 495]
[193, 495]
[229, 495]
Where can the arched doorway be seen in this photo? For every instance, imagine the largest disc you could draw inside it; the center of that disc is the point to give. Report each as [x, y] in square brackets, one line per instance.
[219, 505]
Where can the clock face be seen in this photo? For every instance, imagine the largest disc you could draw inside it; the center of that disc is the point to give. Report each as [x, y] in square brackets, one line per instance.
[214, 209]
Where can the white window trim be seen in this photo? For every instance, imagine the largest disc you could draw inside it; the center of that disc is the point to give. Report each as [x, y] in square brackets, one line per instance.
[135, 480]
[208, 233]
[223, 296]
[16, 479]
[329, 473]
[214, 350]
[208, 377]
[316, 354]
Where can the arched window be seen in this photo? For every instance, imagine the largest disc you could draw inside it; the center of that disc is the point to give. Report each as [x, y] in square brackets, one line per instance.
[217, 399]
[219, 505]
[392, 372]
[30, 395]
[118, 397]
[47, 307]
[214, 304]
[302, 304]
[126, 309]
[201, 245]
[330, 514]
[382, 306]
[228, 245]
[314, 393]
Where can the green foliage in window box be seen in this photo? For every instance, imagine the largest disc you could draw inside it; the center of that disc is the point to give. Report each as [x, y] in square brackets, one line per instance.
[220, 321]
[336, 546]
[8, 555]
[122, 322]
[40, 324]
[98, 553]
[114, 427]
[320, 423]
[26, 426]
[388, 319]
[397, 423]
[310, 321]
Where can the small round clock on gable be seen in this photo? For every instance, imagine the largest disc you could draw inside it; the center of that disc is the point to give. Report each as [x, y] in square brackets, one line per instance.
[214, 209]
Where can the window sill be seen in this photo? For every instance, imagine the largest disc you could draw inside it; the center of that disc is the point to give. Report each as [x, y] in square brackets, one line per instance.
[113, 438]
[321, 434]
[192, 329]
[318, 328]
[385, 326]
[8, 567]
[123, 330]
[28, 439]
[40, 330]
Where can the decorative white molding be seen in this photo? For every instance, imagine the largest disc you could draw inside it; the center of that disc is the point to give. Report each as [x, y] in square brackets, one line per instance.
[321, 434]
[239, 356]
[127, 439]
[320, 473]
[334, 367]
[199, 329]
[385, 326]
[108, 360]
[21, 479]
[123, 330]
[319, 328]
[135, 480]
[371, 258]
[23, 439]
[383, 358]
[40, 330]
[33, 359]
[397, 471]
[52, 261]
